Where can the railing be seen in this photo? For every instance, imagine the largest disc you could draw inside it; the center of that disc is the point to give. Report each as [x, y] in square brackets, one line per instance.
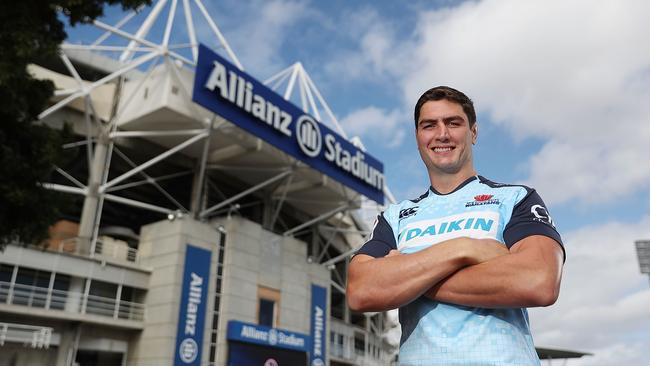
[108, 250]
[342, 345]
[116, 251]
[71, 302]
[28, 335]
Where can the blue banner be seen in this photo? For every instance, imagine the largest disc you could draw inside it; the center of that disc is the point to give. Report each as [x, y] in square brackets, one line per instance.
[245, 354]
[238, 97]
[266, 336]
[318, 352]
[191, 317]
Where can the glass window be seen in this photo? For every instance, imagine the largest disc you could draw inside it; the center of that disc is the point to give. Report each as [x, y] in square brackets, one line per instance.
[268, 306]
[267, 312]
[5, 280]
[31, 287]
[101, 298]
[60, 291]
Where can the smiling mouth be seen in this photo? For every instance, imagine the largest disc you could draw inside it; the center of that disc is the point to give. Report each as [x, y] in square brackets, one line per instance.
[442, 149]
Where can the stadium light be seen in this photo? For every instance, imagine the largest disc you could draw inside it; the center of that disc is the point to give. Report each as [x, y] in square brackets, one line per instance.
[643, 253]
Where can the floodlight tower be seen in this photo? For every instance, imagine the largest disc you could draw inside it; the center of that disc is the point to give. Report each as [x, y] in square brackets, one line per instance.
[643, 254]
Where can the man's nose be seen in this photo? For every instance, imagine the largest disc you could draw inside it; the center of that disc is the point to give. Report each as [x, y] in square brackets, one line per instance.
[442, 132]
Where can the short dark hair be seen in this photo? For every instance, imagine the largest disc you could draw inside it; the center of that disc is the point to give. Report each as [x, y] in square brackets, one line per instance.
[450, 94]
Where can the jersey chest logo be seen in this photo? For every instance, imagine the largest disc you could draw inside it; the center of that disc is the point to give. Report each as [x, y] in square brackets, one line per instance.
[477, 224]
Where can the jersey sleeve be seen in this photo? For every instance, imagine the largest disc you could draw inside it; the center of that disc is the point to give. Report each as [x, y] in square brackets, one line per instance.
[530, 217]
[381, 240]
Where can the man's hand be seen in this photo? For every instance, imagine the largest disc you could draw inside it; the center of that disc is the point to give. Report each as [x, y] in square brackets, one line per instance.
[482, 250]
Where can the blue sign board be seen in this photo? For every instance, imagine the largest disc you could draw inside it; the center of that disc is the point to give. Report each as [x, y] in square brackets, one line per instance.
[318, 351]
[267, 336]
[238, 97]
[245, 354]
[191, 317]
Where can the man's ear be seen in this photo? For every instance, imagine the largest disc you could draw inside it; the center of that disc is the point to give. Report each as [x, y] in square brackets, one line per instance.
[474, 130]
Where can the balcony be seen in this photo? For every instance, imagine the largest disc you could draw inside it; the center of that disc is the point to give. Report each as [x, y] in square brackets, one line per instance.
[355, 345]
[69, 302]
[106, 248]
[27, 335]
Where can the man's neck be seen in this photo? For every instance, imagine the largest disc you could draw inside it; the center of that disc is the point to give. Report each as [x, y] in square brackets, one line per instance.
[446, 183]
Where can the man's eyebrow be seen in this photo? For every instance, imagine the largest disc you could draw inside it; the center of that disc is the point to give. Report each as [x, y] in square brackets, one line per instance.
[452, 118]
[444, 119]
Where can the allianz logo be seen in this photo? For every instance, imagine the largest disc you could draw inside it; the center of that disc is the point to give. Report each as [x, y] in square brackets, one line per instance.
[239, 91]
[481, 224]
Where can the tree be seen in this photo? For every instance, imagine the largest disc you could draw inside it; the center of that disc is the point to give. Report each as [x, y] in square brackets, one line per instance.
[32, 30]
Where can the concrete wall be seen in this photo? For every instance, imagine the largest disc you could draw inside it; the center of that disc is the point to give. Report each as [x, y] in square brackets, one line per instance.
[255, 257]
[162, 248]
[17, 355]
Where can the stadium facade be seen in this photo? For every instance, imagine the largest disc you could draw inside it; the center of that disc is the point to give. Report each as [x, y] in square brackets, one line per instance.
[211, 215]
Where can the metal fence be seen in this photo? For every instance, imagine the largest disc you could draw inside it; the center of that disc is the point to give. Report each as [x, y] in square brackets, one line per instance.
[28, 335]
[71, 302]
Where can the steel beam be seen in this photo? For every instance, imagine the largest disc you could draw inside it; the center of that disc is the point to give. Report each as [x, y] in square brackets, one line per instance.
[234, 198]
[322, 217]
[153, 161]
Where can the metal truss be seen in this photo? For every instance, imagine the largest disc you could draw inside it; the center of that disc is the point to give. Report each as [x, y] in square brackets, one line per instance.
[101, 132]
[134, 53]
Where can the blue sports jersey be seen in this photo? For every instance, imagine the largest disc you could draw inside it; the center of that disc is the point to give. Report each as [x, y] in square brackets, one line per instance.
[437, 333]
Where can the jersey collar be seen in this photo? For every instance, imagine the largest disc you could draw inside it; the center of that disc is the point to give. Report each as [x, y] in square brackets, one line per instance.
[466, 182]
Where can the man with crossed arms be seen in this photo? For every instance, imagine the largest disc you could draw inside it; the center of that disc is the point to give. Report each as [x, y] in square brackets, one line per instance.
[463, 261]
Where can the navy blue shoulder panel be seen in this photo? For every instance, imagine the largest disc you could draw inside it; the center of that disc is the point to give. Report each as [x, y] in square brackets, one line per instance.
[381, 239]
[493, 184]
[529, 217]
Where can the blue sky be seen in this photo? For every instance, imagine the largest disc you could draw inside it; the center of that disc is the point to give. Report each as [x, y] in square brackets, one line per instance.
[561, 89]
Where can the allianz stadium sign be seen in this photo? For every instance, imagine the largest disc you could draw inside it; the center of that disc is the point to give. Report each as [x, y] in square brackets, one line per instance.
[241, 99]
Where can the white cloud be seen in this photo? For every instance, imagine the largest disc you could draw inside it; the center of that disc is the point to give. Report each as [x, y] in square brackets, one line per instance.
[604, 304]
[258, 30]
[573, 73]
[376, 124]
[376, 55]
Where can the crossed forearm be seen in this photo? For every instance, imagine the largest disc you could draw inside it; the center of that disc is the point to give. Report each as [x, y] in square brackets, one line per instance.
[378, 284]
[525, 278]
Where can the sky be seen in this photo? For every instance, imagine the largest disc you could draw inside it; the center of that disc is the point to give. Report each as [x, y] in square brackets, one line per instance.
[562, 91]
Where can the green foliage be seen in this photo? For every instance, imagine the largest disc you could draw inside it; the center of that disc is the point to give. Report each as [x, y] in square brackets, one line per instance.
[30, 30]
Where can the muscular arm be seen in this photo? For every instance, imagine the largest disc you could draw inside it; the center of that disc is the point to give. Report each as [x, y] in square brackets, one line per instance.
[529, 276]
[378, 284]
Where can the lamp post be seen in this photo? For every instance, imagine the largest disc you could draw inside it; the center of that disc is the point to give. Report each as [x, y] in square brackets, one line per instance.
[643, 254]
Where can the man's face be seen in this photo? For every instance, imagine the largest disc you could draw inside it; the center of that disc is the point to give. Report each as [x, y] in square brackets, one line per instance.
[444, 137]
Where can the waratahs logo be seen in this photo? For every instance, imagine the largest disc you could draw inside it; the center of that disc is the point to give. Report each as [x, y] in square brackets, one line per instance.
[483, 199]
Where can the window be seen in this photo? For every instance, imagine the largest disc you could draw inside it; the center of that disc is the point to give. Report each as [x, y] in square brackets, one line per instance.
[60, 291]
[31, 287]
[267, 308]
[101, 298]
[6, 272]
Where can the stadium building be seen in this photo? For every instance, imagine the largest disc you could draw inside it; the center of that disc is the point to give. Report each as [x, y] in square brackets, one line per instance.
[211, 216]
